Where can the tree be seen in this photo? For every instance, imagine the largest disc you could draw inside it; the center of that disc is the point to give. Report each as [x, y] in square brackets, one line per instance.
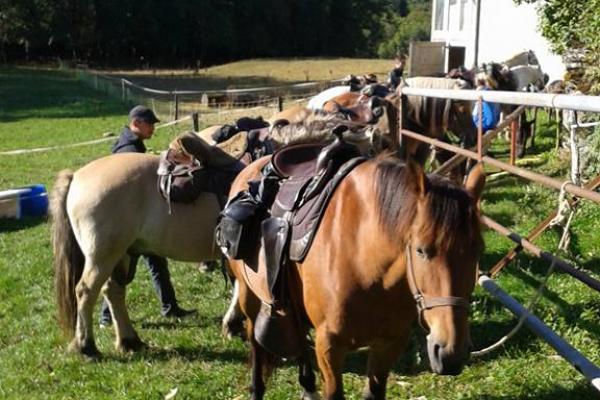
[400, 31]
[573, 25]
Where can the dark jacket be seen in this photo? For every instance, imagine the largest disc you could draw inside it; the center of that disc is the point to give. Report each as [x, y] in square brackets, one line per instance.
[395, 77]
[128, 142]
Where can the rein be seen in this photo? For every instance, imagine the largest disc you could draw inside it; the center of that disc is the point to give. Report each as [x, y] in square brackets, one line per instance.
[428, 302]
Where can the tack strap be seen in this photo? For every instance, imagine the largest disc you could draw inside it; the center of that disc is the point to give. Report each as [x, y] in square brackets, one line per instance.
[429, 302]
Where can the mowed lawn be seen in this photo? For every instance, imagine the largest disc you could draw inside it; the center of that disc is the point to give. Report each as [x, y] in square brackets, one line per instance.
[40, 108]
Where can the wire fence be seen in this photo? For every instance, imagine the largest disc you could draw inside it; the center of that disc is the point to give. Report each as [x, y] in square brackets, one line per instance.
[212, 106]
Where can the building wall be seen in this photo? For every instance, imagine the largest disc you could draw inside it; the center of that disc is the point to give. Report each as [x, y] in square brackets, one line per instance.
[505, 29]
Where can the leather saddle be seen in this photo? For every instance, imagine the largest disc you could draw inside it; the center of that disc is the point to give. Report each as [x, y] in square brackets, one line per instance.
[307, 176]
[191, 166]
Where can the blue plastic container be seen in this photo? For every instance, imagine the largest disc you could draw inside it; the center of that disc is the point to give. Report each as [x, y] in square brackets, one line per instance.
[35, 202]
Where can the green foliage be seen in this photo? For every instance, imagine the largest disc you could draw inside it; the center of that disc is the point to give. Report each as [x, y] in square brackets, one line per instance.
[162, 32]
[400, 30]
[573, 25]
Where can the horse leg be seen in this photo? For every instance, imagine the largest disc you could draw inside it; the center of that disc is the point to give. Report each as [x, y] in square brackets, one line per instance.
[127, 338]
[257, 387]
[306, 377]
[330, 357]
[87, 291]
[381, 359]
[233, 321]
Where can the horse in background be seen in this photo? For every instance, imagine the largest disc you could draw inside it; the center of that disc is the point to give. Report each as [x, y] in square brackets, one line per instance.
[526, 57]
[393, 245]
[433, 117]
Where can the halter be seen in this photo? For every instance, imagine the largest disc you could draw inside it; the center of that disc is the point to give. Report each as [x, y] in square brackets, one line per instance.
[429, 302]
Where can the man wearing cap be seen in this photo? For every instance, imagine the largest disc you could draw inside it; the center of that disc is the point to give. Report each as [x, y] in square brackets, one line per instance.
[140, 128]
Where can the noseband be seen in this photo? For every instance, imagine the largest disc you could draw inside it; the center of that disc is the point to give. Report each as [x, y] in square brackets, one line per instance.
[428, 302]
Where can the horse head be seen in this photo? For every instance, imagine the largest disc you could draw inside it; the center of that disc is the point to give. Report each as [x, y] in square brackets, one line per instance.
[442, 251]
[495, 76]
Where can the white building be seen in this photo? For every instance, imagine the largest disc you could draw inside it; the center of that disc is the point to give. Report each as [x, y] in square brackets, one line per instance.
[470, 32]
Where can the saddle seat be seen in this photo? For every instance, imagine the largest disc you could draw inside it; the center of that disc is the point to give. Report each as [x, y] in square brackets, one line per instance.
[192, 166]
[306, 169]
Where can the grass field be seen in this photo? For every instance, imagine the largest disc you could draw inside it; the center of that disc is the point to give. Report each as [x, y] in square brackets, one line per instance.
[42, 108]
[256, 73]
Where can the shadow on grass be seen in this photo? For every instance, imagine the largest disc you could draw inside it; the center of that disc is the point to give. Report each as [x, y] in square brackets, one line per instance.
[570, 312]
[197, 321]
[13, 225]
[582, 391]
[192, 353]
[52, 94]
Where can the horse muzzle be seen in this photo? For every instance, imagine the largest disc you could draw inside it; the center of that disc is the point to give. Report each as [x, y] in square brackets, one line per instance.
[446, 359]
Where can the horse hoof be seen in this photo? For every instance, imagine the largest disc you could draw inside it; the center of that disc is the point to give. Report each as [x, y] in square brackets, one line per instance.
[234, 328]
[131, 345]
[88, 350]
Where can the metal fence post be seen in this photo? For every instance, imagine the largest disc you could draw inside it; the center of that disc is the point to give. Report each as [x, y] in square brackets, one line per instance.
[176, 100]
[123, 90]
[195, 121]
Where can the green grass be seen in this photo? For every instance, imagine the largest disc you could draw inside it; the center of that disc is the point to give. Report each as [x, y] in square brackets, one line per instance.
[42, 108]
[257, 73]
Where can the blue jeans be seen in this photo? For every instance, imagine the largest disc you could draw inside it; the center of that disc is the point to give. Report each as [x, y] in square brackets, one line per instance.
[161, 280]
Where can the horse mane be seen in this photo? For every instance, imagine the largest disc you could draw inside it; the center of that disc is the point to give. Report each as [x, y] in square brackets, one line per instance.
[316, 128]
[452, 215]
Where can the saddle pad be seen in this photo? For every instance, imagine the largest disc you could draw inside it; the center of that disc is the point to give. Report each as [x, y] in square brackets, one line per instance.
[305, 220]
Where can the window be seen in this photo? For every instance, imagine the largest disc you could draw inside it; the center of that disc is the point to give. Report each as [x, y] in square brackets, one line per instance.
[439, 14]
[463, 14]
[453, 16]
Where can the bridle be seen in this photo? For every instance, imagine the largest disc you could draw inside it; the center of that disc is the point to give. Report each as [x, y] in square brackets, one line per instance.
[429, 302]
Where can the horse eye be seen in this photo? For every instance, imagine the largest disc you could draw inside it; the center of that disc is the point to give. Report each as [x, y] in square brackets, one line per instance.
[421, 253]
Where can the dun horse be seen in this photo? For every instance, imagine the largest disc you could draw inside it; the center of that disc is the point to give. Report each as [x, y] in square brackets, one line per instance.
[393, 245]
[104, 211]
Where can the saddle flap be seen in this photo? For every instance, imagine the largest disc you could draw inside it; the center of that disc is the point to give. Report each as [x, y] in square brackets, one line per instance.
[274, 239]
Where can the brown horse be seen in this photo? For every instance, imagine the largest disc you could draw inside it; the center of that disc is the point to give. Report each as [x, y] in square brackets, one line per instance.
[393, 245]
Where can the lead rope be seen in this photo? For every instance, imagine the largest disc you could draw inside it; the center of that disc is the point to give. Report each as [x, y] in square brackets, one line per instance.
[562, 244]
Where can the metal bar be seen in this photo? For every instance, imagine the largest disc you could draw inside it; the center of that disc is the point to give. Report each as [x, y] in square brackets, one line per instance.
[563, 101]
[537, 326]
[487, 140]
[523, 173]
[513, 142]
[544, 255]
[537, 231]
[480, 129]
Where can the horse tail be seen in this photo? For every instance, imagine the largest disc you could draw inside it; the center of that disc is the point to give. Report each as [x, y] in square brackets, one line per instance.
[68, 257]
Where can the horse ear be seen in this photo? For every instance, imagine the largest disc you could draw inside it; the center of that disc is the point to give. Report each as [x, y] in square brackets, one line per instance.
[476, 182]
[416, 177]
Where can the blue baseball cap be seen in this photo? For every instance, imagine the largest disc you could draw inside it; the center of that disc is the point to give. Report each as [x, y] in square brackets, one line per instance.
[143, 113]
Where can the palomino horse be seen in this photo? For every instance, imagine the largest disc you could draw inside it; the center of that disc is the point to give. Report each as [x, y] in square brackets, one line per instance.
[103, 212]
[393, 245]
